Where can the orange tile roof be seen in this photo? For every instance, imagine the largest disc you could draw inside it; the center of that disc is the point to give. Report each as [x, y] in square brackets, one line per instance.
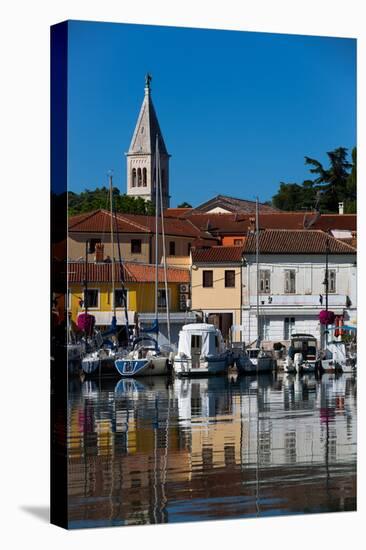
[132, 272]
[306, 241]
[176, 212]
[239, 224]
[219, 254]
[99, 222]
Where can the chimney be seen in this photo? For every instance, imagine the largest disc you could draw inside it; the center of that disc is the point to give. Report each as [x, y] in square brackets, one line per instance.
[99, 252]
[340, 208]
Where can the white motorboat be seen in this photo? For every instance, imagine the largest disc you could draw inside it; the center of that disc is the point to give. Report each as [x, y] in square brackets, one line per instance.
[335, 358]
[302, 354]
[253, 360]
[145, 359]
[201, 350]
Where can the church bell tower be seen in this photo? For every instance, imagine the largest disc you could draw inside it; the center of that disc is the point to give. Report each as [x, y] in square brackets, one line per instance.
[141, 154]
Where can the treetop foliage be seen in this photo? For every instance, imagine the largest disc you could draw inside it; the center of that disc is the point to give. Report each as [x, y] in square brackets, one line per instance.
[88, 200]
[332, 185]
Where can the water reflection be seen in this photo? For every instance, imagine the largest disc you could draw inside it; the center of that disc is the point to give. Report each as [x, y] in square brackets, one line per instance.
[156, 451]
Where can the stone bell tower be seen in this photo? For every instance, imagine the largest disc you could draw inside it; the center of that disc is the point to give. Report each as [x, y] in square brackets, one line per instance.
[141, 154]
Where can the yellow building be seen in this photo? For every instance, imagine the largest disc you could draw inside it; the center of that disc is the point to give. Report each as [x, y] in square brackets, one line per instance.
[139, 283]
[216, 287]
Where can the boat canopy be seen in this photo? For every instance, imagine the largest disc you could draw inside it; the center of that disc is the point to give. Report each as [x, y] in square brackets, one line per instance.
[336, 351]
[211, 339]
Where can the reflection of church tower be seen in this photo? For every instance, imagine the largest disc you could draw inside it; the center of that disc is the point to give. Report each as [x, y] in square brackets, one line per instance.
[141, 154]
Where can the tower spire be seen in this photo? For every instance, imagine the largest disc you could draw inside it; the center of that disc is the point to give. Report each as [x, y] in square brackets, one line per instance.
[140, 156]
[148, 79]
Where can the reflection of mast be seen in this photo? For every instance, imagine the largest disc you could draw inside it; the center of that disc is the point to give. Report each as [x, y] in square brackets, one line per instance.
[163, 482]
[257, 467]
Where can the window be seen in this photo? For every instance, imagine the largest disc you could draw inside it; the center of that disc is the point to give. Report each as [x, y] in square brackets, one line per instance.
[290, 281]
[229, 278]
[162, 179]
[162, 302]
[144, 177]
[238, 242]
[91, 298]
[133, 178]
[92, 244]
[288, 327]
[207, 279]
[171, 248]
[331, 280]
[264, 281]
[264, 328]
[139, 177]
[135, 246]
[119, 293]
[196, 341]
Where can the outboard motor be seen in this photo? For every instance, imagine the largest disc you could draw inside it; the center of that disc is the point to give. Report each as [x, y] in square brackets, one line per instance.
[298, 359]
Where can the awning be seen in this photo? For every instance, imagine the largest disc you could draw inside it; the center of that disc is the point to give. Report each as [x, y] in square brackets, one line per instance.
[105, 317]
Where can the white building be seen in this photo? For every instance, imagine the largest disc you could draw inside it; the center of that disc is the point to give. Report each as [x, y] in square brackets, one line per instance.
[291, 283]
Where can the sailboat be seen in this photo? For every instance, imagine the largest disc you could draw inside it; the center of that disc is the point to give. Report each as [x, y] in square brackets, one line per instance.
[92, 362]
[254, 359]
[146, 358]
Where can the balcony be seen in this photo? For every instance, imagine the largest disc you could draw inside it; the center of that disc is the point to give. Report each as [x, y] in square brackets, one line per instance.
[283, 303]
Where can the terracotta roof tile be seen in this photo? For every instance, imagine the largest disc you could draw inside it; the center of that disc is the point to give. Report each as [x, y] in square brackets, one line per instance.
[99, 222]
[132, 272]
[234, 205]
[176, 212]
[283, 241]
[239, 223]
[224, 254]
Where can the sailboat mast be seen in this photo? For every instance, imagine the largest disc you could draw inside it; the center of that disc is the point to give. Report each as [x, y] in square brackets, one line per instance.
[112, 243]
[326, 281]
[257, 261]
[156, 225]
[86, 278]
[164, 254]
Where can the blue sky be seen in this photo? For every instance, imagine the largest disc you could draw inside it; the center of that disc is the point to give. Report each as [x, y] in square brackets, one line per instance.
[238, 110]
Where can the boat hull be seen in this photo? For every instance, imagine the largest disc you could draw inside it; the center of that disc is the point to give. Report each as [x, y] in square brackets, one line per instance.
[247, 366]
[307, 366]
[91, 366]
[183, 367]
[142, 367]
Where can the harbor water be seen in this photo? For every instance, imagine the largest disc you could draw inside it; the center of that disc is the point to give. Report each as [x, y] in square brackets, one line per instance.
[146, 451]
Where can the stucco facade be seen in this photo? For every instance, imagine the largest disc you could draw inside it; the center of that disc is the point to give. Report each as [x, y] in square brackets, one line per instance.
[283, 312]
[219, 299]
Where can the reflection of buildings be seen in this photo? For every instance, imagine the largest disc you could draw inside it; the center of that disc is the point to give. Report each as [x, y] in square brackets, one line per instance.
[209, 448]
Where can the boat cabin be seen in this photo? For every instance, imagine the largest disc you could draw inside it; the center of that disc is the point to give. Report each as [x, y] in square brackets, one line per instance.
[199, 340]
[304, 344]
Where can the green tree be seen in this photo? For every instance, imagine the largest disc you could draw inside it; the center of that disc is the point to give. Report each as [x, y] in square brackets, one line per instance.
[184, 205]
[332, 182]
[99, 198]
[350, 206]
[288, 197]
[332, 185]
